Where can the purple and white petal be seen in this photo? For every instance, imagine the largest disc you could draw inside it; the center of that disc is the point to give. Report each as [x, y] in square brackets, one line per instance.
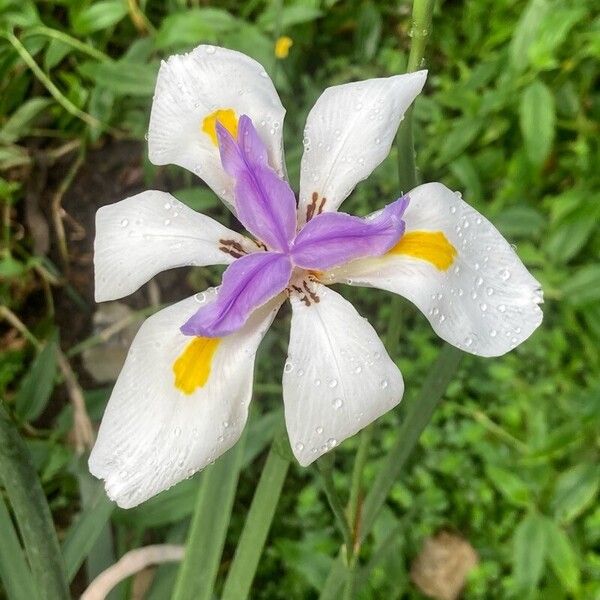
[333, 239]
[153, 434]
[247, 284]
[264, 202]
[484, 301]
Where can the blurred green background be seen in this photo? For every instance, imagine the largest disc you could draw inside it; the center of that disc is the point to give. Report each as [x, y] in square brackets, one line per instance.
[509, 116]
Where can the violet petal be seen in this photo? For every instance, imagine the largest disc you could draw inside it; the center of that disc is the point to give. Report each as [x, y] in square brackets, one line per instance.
[265, 203]
[332, 239]
[247, 283]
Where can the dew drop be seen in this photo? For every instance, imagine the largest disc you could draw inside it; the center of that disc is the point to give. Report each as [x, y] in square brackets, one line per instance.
[337, 403]
[319, 430]
[332, 442]
[124, 222]
[493, 333]
[177, 431]
[167, 222]
[210, 49]
[468, 341]
[501, 308]
[288, 368]
[200, 297]
[358, 369]
[333, 383]
[383, 384]
[299, 446]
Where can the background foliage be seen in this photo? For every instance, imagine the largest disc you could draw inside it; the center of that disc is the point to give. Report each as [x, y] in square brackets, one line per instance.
[509, 116]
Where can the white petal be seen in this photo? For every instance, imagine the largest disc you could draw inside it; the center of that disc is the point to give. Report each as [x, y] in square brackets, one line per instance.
[148, 233]
[153, 435]
[348, 133]
[192, 86]
[485, 302]
[338, 377]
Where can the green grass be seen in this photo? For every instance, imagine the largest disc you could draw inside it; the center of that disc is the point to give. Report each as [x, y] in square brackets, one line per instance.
[509, 116]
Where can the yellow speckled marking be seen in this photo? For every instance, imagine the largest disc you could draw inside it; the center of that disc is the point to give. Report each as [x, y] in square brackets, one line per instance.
[192, 367]
[227, 118]
[432, 246]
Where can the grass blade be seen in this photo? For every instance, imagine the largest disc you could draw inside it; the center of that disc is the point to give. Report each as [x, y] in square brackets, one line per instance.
[210, 521]
[14, 571]
[32, 514]
[258, 522]
[416, 419]
[86, 530]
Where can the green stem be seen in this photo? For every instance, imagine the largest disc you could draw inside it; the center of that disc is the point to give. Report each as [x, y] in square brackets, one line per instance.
[325, 466]
[32, 514]
[407, 174]
[420, 31]
[67, 40]
[258, 522]
[48, 84]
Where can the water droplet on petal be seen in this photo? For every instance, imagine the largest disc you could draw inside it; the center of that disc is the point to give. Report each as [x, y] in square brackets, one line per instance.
[337, 403]
[333, 383]
[124, 222]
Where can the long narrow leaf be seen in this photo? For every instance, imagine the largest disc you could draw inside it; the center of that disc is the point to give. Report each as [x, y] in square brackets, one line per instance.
[32, 514]
[86, 530]
[416, 419]
[256, 528]
[210, 522]
[14, 572]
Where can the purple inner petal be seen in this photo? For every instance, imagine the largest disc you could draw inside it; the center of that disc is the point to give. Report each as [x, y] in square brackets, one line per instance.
[265, 203]
[332, 239]
[248, 283]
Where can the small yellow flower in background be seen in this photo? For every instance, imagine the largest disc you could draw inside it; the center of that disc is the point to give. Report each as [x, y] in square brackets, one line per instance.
[282, 46]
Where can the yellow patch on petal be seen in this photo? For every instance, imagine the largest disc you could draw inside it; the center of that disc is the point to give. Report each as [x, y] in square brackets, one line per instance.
[227, 118]
[282, 46]
[432, 246]
[192, 367]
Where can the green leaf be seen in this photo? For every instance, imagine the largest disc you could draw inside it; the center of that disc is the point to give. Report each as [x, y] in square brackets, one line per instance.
[99, 15]
[529, 551]
[583, 286]
[572, 230]
[14, 572]
[294, 14]
[194, 26]
[197, 574]
[55, 53]
[368, 32]
[17, 125]
[526, 32]
[520, 221]
[537, 114]
[258, 522]
[575, 491]
[198, 198]
[123, 78]
[512, 487]
[85, 530]
[463, 133]
[22, 485]
[415, 418]
[37, 385]
[562, 557]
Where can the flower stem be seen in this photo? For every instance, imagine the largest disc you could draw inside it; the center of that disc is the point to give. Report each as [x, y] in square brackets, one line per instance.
[407, 174]
[420, 30]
